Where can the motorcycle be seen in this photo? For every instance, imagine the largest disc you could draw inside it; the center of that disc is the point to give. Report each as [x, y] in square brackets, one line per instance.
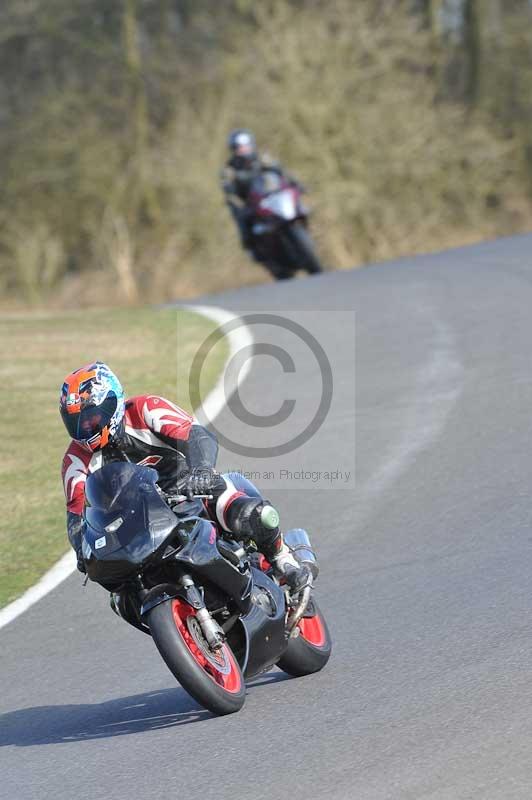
[279, 227]
[212, 605]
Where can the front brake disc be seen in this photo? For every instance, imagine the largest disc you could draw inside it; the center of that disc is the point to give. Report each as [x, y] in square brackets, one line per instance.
[217, 658]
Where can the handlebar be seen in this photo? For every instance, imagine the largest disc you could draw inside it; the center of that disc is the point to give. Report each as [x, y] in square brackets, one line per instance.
[180, 498]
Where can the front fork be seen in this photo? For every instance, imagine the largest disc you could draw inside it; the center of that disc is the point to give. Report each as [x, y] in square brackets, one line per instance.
[148, 599]
[211, 630]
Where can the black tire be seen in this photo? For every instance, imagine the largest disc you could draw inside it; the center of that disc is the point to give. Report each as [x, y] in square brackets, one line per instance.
[283, 276]
[301, 242]
[215, 681]
[310, 651]
[278, 271]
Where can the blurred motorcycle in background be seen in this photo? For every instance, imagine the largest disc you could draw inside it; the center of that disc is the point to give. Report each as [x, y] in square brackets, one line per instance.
[280, 239]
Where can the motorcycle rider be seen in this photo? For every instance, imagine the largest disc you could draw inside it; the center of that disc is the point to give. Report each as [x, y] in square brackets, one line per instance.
[243, 166]
[151, 431]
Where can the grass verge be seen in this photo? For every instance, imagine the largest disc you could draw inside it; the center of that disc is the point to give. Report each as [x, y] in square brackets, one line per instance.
[151, 351]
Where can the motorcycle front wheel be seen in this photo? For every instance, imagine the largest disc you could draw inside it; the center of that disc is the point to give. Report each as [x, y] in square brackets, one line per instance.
[278, 270]
[300, 241]
[310, 650]
[212, 677]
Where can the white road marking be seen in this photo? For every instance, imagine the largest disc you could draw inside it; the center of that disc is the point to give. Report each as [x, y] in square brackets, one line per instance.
[238, 339]
[439, 384]
[61, 570]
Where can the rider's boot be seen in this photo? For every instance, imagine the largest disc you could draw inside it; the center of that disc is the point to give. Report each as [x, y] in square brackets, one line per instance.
[288, 569]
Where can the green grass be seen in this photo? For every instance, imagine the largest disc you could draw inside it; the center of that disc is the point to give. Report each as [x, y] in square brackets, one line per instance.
[151, 351]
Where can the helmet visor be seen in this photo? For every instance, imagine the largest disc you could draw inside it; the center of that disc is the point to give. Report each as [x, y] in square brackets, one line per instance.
[244, 149]
[90, 420]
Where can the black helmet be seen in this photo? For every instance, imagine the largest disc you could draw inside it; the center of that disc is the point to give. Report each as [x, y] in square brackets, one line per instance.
[242, 145]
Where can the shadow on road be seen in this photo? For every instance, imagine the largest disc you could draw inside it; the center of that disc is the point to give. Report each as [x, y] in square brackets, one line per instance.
[126, 715]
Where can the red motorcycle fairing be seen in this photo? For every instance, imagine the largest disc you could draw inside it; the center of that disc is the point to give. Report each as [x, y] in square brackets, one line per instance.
[278, 226]
[274, 198]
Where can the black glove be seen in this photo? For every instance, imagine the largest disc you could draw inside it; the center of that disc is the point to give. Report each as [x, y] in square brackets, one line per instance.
[202, 480]
[81, 562]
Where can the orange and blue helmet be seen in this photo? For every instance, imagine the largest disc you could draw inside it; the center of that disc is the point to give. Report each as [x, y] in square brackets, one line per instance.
[92, 405]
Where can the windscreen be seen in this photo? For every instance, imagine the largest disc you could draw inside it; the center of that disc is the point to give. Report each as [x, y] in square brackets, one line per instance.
[126, 512]
[119, 485]
[267, 182]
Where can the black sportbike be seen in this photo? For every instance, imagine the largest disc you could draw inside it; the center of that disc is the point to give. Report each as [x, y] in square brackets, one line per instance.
[212, 606]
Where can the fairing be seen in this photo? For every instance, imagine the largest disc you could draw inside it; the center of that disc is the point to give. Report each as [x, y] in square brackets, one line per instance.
[282, 204]
[126, 519]
[263, 626]
[201, 555]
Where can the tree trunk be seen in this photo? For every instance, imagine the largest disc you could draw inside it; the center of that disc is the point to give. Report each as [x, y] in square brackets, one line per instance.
[147, 201]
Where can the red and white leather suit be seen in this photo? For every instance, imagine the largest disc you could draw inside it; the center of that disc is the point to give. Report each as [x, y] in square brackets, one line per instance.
[161, 435]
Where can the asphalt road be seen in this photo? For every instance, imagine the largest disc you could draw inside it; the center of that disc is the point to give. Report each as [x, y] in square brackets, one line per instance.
[425, 577]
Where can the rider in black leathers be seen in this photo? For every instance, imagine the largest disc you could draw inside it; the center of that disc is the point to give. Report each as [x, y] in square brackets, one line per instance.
[243, 166]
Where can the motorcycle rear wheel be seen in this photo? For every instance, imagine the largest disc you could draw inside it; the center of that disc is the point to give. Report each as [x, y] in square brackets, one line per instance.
[213, 678]
[310, 650]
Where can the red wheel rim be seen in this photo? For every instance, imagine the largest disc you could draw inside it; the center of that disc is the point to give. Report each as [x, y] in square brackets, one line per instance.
[221, 666]
[312, 630]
